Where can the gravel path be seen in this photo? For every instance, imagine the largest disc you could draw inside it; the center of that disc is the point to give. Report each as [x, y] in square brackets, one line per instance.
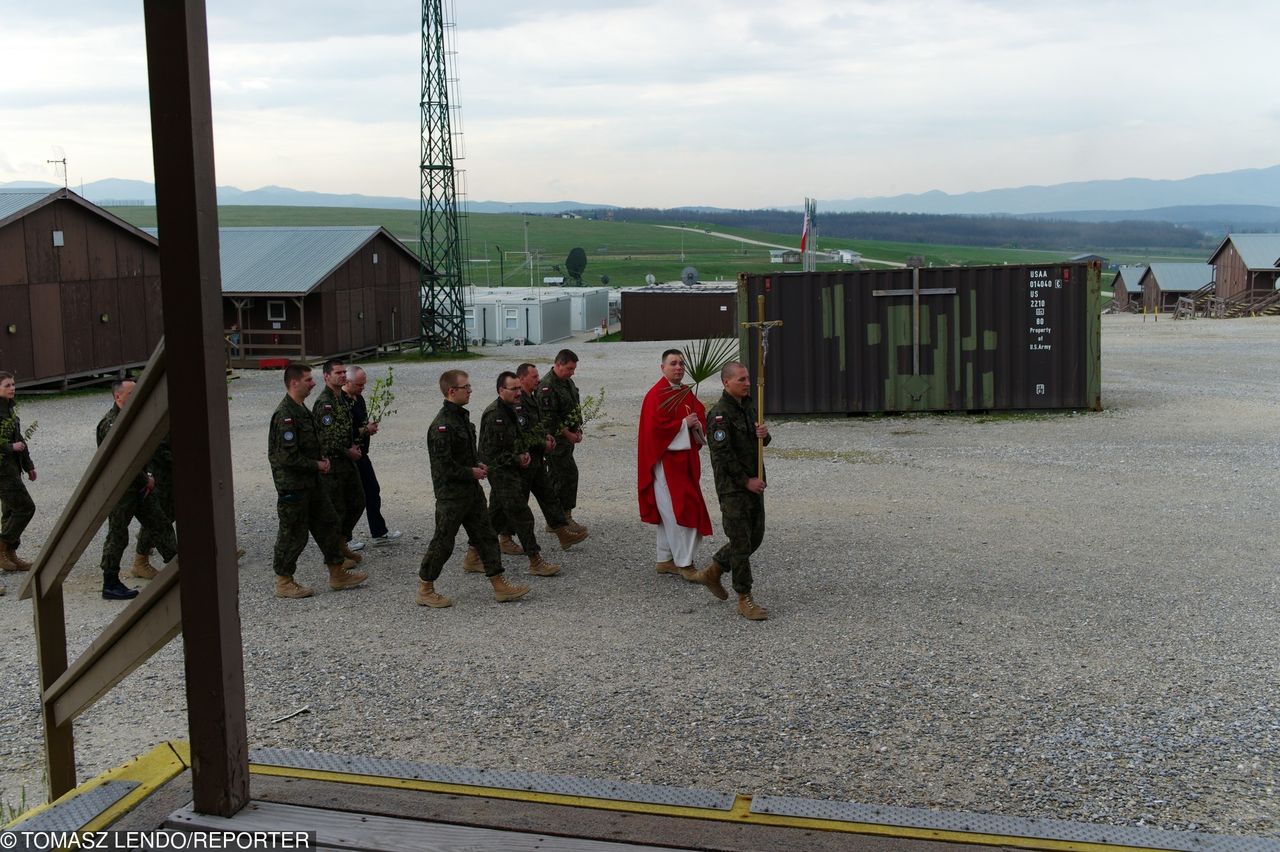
[1065, 616]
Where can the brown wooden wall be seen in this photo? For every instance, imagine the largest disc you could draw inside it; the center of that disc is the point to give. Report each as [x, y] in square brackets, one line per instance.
[678, 315]
[56, 296]
[386, 293]
[1230, 275]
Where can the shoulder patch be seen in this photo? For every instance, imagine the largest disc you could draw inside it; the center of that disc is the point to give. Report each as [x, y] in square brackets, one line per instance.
[442, 428]
[719, 417]
[497, 420]
[718, 435]
[327, 419]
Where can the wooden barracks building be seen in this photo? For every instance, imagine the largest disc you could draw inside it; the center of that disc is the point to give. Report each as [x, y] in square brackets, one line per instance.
[80, 291]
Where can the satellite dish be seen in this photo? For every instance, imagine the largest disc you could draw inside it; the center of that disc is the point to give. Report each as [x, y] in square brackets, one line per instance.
[689, 276]
[650, 280]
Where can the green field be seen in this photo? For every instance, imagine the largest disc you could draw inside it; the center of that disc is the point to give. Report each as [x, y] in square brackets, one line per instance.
[624, 251]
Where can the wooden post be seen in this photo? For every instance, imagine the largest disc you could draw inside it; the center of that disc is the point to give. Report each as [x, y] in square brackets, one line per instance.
[187, 215]
[51, 647]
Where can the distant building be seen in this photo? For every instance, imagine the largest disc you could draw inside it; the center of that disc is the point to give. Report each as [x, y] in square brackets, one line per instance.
[1089, 258]
[1245, 262]
[1164, 283]
[784, 256]
[847, 256]
[1127, 288]
[79, 289]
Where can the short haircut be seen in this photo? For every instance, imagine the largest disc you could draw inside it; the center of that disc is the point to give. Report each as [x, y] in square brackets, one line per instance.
[672, 352]
[331, 363]
[294, 371]
[729, 368]
[353, 371]
[503, 376]
[449, 379]
[566, 356]
[523, 369]
[119, 383]
[5, 374]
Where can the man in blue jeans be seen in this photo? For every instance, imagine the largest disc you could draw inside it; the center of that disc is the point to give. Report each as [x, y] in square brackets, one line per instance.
[362, 430]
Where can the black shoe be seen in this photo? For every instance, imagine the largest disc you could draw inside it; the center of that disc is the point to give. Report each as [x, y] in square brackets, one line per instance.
[114, 590]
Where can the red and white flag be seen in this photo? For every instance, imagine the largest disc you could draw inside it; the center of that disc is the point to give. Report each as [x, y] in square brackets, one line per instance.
[804, 233]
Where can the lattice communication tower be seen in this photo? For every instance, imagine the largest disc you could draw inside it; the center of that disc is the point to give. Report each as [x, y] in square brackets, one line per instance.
[441, 230]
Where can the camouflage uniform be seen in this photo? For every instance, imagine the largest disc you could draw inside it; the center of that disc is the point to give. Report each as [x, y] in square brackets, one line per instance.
[504, 434]
[134, 504]
[731, 429]
[18, 507]
[342, 485]
[451, 446]
[558, 401]
[161, 467]
[538, 479]
[293, 448]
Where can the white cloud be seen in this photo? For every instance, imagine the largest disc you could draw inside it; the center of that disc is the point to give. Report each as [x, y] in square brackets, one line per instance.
[661, 102]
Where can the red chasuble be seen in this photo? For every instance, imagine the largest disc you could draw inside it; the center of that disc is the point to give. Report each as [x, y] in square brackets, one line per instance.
[682, 468]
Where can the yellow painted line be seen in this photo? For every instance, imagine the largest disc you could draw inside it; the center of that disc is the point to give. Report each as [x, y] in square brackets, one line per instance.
[150, 771]
[738, 813]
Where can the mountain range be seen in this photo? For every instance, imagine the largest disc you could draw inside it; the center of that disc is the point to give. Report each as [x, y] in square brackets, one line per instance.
[1241, 198]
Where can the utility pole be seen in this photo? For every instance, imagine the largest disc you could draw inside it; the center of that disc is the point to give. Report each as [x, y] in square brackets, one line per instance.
[442, 322]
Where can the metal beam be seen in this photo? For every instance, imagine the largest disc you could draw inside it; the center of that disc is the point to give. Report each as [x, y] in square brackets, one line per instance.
[187, 216]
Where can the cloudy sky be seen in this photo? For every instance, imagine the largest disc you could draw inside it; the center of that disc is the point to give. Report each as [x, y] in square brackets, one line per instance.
[736, 103]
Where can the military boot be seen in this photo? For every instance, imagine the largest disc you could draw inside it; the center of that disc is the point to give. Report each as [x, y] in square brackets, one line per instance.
[509, 546]
[504, 591]
[428, 596]
[342, 577]
[749, 609]
[9, 559]
[540, 567]
[568, 537]
[471, 562]
[667, 567]
[575, 526]
[287, 587]
[141, 567]
[710, 577]
[350, 555]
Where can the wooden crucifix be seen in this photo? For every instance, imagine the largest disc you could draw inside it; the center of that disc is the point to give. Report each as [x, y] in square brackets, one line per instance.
[762, 327]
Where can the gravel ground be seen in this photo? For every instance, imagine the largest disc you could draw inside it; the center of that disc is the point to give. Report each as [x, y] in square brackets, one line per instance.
[1069, 616]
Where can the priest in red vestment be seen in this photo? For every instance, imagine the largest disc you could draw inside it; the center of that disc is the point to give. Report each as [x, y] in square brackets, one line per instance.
[668, 475]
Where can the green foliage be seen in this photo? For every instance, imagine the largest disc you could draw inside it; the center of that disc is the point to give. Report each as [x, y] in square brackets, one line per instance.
[10, 812]
[382, 397]
[575, 264]
[706, 358]
[702, 360]
[6, 427]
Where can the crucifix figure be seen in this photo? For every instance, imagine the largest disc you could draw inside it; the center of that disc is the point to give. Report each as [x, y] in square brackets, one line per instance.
[762, 327]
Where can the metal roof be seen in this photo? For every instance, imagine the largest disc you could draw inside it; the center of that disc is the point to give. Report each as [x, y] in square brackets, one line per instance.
[1180, 277]
[1258, 251]
[285, 260]
[16, 200]
[1130, 278]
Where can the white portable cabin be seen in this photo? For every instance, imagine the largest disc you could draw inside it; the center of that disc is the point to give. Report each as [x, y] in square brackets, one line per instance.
[508, 314]
[590, 306]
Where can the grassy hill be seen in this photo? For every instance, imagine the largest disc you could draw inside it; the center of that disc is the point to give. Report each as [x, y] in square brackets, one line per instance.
[624, 251]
